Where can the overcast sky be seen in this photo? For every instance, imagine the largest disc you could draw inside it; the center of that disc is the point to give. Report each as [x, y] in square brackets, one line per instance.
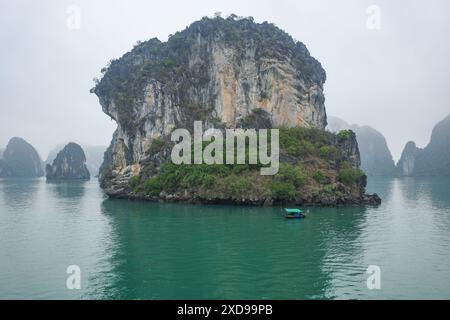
[393, 78]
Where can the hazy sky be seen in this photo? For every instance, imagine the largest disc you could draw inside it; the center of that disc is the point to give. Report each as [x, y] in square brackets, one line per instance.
[394, 78]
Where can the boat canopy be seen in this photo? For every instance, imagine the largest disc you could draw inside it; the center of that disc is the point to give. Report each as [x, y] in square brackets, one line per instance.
[293, 210]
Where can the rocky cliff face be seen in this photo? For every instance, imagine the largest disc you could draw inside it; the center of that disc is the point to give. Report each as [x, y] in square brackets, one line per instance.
[227, 73]
[433, 160]
[349, 147]
[407, 162]
[20, 159]
[69, 164]
[376, 158]
[217, 70]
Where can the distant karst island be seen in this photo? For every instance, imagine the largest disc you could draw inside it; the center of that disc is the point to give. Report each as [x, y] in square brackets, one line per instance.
[376, 158]
[94, 157]
[69, 164]
[20, 159]
[433, 160]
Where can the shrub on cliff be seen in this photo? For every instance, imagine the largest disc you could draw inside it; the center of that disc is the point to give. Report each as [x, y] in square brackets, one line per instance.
[283, 191]
[319, 176]
[349, 175]
[304, 141]
[152, 186]
[134, 183]
[236, 186]
[290, 174]
[344, 134]
[328, 152]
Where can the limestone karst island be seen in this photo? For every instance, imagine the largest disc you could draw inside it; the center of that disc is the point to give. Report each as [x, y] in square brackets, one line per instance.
[228, 73]
[224, 165]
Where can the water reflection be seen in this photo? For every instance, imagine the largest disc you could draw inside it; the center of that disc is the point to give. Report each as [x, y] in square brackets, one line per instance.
[138, 250]
[178, 251]
[44, 228]
[341, 230]
[67, 189]
[19, 193]
[434, 190]
[407, 236]
[382, 186]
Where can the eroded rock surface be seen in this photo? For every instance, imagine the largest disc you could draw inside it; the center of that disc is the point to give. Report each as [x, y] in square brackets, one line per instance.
[69, 164]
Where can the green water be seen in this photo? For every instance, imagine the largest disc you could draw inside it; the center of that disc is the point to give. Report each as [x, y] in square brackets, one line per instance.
[135, 250]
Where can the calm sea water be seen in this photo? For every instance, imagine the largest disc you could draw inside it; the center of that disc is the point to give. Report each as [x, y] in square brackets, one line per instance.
[136, 250]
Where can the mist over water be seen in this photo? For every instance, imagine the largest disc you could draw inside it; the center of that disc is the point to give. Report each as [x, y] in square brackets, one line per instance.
[393, 78]
[138, 250]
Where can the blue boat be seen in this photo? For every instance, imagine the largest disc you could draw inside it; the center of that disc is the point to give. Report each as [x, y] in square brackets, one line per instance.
[293, 214]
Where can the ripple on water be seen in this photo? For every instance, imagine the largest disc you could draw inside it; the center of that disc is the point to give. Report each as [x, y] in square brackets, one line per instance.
[135, 250]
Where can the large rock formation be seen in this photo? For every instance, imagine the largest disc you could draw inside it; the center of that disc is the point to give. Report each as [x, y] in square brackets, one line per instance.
[376, 158]
[407, 162]
[69, 164]
[433, 160]
[218, 71]
[94, 157]
[227, 73]
[1, 152]
[20, 159]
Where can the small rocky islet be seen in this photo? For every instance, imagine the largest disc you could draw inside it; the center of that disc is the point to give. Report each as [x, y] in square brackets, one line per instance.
[94, 157]
[69, 164]
[20, 160]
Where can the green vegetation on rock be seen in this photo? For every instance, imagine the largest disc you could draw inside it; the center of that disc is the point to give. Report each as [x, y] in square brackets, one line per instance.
[349, 175]
[344, 134]
[310, 174]
[303, 141]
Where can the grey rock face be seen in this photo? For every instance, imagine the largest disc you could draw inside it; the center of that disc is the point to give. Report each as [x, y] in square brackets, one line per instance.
[1, 152]
[406, 164]
[94, 157]
[433, 160]
[350, 149]
[20, 159]
[376, 158]
[69, 164]
[219, 71]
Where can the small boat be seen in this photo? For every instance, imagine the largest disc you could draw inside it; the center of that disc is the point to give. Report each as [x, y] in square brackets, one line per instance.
[293, 214]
